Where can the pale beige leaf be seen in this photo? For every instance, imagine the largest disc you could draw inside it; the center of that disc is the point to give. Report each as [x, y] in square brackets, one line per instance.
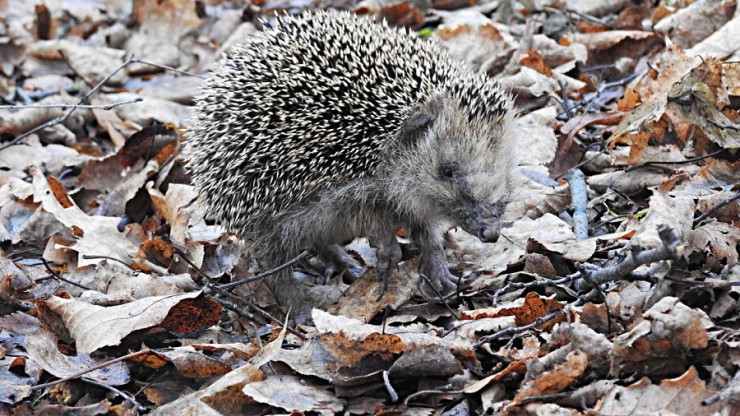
[537, 136]
[561, 375]
[690, 25]
[94, 327]
[42, 348]
[472, 330]
[673, 211]
[223, 397]
[595, 8]
[292, 393]
[268, 352]
[100, 235]
[724, 43]
[354, 329]
[682, 395]
[148, 110]
[13, 387]
[90, 62]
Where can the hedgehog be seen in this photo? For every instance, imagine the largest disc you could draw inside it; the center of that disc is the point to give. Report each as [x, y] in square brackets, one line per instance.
[330, 126]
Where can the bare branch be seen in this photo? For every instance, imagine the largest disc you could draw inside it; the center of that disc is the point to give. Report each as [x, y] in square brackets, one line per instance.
[711, 210]
[69, 112]
[74, 106]
[264, 274]
[579, 201]
[539, 321]
[531, 285]
[592, 277]
[91, 369]
[168, 68]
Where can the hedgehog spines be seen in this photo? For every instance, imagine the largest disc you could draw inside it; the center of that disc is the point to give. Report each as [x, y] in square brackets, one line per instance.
[313, 102]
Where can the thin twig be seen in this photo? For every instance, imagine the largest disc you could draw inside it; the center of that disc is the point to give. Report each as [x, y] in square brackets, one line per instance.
[592, 277]
[620, 82]
[566, 101]
[168, 68]
[82, 106]
[711, 210]
[185, 258]
[58, 277]
[578, 166]
[539, 321]
[599, 92]
[244, 314]
[389, 388]
[262, 275]
[223, 293]
[723, 126]
[69, 112]
[544, 398]
[93, 257]
[531, 285]
[125, 396]
[233, 306]
[439, 295]
[673, 162]
[723, 391]
[710, 284]
[428, 392]
[267, 315]
[97, 367]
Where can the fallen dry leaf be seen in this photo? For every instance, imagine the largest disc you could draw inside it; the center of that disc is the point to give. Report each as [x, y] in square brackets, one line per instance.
[669, 329]
[94, 327]
[92, 63]
[99, 235]
[292, 393]
[14, 387]
[561, 376]
[42, 349]
[643, 98]
[682, 395]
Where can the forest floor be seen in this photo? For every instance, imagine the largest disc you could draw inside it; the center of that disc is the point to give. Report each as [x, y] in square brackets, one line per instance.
[614, 288]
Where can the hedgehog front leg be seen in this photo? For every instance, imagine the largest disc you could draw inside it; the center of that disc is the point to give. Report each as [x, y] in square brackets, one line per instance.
[387, 254]
[432, 264]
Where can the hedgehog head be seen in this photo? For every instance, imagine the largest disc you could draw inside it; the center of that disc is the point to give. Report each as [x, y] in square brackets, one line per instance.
[454, 153]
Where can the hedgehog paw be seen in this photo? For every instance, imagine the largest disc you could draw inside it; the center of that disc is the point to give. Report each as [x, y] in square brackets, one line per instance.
[433, 266]
[336, 261]
[387, 255]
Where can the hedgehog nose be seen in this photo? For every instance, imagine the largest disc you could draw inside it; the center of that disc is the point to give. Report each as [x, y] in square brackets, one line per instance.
[488, 234]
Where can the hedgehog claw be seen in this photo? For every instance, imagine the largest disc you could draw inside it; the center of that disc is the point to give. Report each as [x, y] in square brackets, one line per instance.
[336, 261]
[433, 266]
[387, 254]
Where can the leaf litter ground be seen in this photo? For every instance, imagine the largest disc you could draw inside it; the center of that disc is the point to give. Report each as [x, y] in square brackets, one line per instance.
[623, 300]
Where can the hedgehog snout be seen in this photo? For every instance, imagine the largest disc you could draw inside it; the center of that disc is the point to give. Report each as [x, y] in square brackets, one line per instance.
[487, 230]
[483, 222]
[488, 233]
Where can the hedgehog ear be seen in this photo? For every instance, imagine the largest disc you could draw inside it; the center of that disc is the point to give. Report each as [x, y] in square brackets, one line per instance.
[420, 120]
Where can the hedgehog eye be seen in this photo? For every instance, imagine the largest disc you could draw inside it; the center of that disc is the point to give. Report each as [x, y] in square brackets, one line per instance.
[449, 170]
